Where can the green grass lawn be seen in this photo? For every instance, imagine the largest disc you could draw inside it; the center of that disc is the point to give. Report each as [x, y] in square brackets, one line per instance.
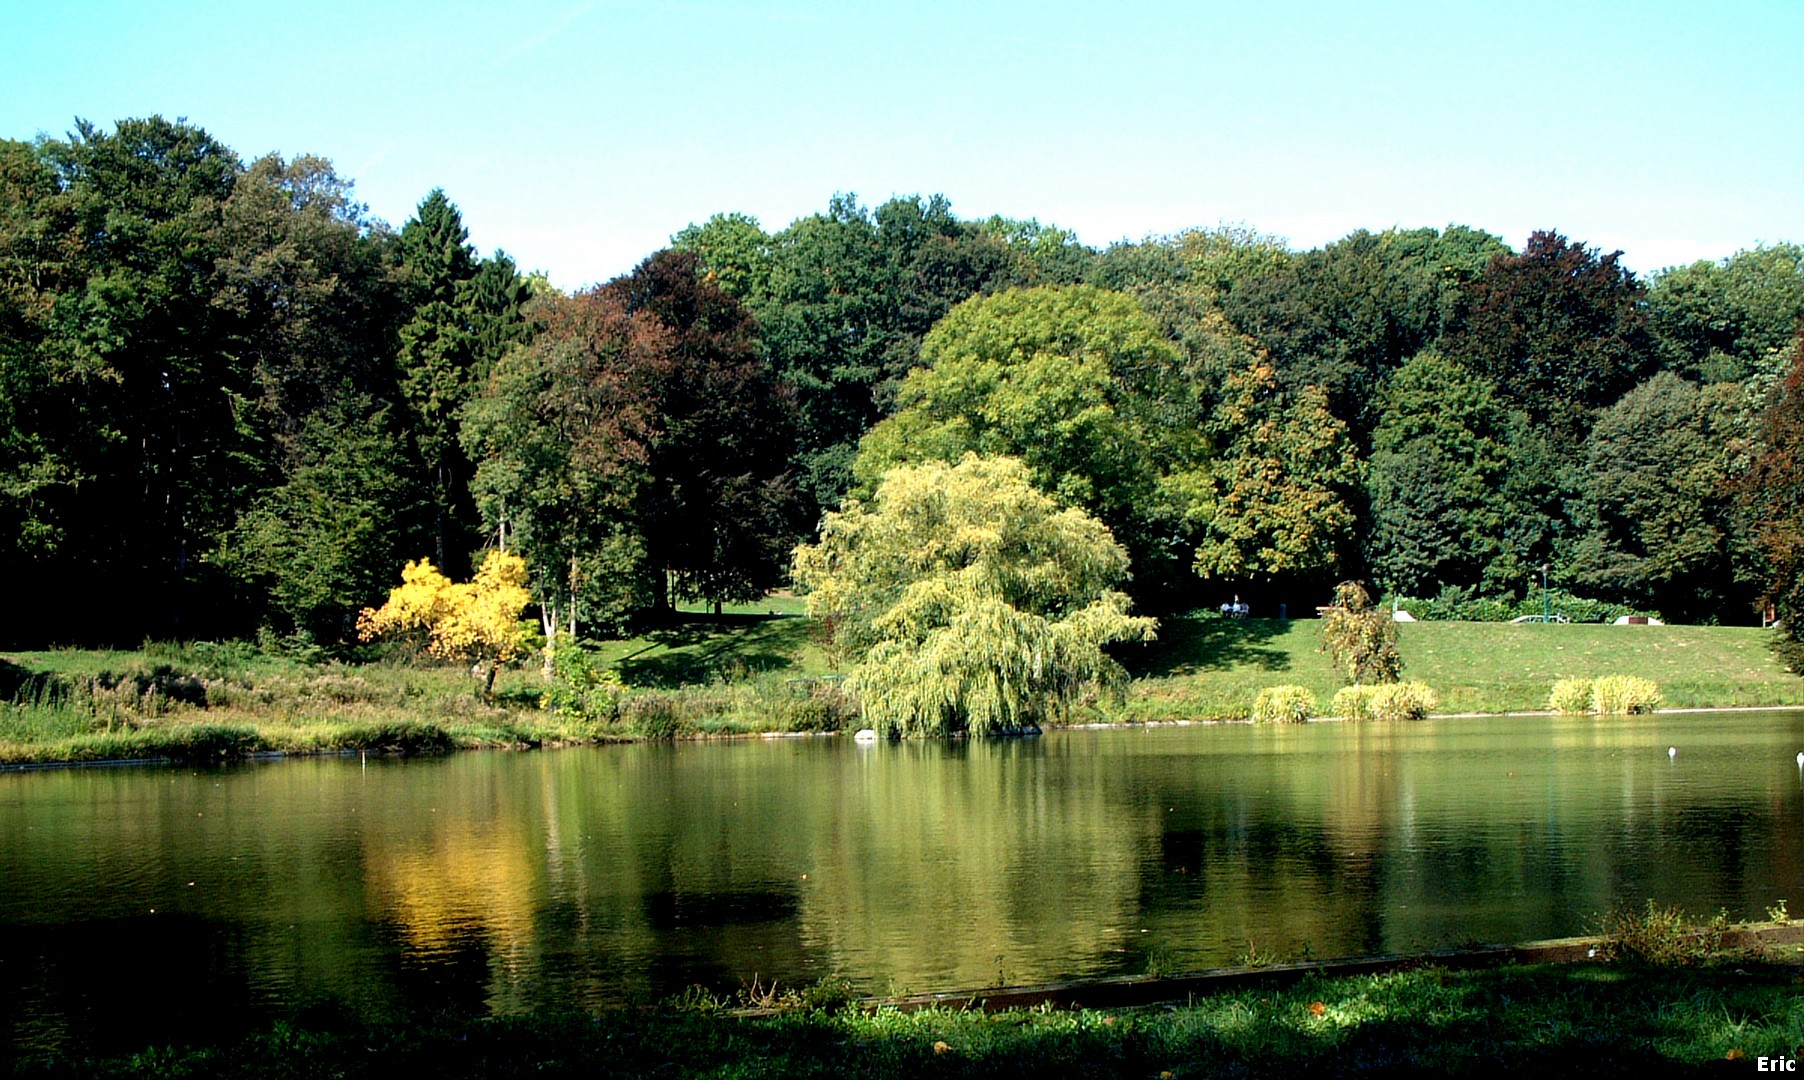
[1204, 666]
[1500, 667]
[777, 603]
[729, 647]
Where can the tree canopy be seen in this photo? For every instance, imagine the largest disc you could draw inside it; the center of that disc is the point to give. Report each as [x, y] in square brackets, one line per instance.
[1560, 328]
[232, 400]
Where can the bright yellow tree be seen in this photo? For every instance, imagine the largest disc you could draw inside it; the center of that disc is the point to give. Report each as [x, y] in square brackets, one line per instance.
[477, 622]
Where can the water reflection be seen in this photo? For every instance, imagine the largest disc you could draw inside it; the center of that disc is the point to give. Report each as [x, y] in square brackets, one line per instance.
[139, 904]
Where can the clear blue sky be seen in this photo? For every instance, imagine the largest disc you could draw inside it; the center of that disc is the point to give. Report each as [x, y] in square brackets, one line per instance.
[580, 135]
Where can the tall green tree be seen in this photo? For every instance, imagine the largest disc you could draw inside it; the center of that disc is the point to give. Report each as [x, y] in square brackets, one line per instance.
[1658, 502]
[43, 461]
[1719, 319]
[172, 321]
[716, 509]
[304, 278]
[436, 362]
[140, 462]
[304, 287]
[1436, 483]
[465, 312]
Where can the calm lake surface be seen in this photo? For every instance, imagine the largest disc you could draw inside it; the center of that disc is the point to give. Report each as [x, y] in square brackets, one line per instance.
[147, 904]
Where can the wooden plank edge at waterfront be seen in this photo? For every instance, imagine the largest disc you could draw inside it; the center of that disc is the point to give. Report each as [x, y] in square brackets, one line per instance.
[1128, 991]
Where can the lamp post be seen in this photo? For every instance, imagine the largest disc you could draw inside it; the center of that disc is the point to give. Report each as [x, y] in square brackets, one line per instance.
[1546, 603]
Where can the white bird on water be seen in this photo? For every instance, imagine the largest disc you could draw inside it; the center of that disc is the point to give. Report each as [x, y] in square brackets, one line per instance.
[1672, 752]
[1801, 759]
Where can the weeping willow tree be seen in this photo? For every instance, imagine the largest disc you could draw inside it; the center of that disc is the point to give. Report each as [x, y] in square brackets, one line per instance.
[969, 600]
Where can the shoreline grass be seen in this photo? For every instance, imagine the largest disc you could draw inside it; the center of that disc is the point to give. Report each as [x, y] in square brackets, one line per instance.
[748, 673]
[1586, 1019]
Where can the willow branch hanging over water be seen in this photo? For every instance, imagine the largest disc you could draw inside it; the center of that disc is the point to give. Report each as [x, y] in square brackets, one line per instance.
[969, 600]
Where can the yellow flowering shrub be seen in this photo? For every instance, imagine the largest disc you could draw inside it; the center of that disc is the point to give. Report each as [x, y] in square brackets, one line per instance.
[478, 621]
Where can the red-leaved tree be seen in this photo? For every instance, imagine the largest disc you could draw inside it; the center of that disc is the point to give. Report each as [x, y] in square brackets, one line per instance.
[1774, 488]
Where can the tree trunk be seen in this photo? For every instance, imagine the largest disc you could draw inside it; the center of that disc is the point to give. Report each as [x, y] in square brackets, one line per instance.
[548, 621]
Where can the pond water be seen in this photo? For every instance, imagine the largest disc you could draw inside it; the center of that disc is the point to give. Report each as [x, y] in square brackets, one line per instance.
[146, 905]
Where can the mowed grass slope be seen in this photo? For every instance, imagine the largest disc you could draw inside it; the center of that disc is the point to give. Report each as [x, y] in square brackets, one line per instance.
[1206, 667]
[1499, 667]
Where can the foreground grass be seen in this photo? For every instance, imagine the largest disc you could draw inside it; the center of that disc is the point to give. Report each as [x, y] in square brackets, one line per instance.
[1544, 1020]
[1206, 667]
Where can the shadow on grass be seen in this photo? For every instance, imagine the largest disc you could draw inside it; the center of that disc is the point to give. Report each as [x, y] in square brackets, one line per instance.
[1204, 641]
[14, 680]
[701, 648]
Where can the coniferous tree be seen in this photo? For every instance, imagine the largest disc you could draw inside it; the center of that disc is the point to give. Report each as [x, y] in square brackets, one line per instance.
[436, 364]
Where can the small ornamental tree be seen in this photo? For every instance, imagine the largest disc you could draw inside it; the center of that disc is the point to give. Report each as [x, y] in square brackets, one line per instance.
[476, 623]
[1361, 637]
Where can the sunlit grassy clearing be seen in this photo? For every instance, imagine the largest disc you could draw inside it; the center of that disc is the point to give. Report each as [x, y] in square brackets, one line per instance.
[1205, 666]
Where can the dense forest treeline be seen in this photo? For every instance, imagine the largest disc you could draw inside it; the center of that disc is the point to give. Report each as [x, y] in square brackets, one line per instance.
[231, 400]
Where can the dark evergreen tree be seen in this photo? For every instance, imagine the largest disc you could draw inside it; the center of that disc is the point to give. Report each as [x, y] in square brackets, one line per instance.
[851, 294]
[1440, 516]
[464, 313]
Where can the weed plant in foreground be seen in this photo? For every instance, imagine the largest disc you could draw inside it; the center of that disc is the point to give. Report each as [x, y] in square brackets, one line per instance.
[1540, 1021]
